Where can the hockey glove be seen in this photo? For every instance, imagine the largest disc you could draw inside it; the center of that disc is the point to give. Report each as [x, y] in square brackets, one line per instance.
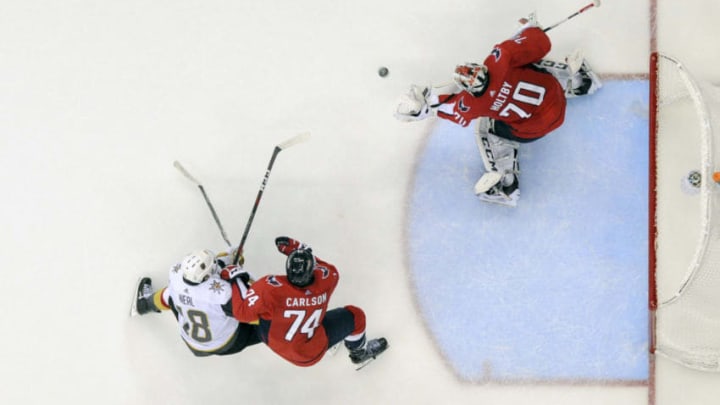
[288, 245]
[234, 273]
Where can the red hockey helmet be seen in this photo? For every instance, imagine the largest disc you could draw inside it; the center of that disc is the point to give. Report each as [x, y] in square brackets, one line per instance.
[472, 78]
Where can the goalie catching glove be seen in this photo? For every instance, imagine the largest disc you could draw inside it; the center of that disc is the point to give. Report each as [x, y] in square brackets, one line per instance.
[414, 105]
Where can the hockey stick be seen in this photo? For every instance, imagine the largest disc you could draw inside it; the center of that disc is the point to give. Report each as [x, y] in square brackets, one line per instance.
[595, 3]
[284, 145]
[207, 200]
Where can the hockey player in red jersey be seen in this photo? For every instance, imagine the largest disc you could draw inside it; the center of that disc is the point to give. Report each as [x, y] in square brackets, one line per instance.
[518, 96]
[292, 310]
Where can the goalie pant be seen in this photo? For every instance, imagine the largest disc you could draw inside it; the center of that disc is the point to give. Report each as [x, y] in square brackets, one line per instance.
[525, 102]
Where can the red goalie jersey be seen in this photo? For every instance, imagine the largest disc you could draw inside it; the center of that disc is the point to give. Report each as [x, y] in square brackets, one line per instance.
[291, 317]
[528, 99]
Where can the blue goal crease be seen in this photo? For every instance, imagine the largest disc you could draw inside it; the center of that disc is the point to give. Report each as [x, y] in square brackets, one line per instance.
[556, 288]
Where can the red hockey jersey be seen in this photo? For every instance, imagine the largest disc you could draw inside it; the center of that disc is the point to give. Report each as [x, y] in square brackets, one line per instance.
[528, 99]
[291, 316]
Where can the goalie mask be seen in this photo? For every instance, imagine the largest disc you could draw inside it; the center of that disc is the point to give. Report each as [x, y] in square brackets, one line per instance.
[472, 78]
[299, 267]
[197, 266]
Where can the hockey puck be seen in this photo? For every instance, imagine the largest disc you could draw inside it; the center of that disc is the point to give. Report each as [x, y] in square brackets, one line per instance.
[694, 178]
[383, 71]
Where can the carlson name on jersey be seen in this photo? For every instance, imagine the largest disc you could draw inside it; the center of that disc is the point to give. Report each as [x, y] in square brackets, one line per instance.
[306, 301]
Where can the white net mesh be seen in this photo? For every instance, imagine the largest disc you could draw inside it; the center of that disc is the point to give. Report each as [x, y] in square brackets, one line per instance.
[688, 232]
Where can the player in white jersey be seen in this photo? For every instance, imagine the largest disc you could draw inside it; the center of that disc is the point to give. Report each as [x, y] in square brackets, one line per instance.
[199, 293]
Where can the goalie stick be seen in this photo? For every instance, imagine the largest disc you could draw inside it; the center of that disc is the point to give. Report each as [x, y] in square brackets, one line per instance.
[205, 196]
[278, 148]
[595, 3]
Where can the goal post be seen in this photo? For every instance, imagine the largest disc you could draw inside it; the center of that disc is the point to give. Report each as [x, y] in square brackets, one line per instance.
[684, 216]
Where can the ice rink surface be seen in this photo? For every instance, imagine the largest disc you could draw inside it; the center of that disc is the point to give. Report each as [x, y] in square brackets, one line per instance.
[99, 98]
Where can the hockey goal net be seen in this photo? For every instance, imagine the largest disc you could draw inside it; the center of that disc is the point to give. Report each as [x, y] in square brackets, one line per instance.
[684, 257]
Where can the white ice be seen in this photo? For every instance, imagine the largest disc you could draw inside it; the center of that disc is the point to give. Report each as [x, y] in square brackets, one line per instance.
[98, 98]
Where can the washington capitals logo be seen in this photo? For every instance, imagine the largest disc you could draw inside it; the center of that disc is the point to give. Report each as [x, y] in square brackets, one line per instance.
[462, 107]
[273, 281]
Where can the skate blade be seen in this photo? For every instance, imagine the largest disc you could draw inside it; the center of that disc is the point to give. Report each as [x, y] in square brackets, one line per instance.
[133, 305]
[370, 360]
[362, 365]
[507, 201]
[366, 362]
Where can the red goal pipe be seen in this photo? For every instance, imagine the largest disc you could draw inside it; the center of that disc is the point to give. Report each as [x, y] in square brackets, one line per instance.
[652, 195]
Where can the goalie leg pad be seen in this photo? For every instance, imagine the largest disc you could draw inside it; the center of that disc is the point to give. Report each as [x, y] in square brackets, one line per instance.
[487, 181]
[584, 80]
[499, 158]
[575, 74]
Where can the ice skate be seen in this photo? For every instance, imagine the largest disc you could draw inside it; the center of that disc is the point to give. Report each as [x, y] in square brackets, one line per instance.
[369, 352]
[143, 299]
[503, 195]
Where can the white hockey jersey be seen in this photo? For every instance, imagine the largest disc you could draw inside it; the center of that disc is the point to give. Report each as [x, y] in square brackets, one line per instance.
[203, 324]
